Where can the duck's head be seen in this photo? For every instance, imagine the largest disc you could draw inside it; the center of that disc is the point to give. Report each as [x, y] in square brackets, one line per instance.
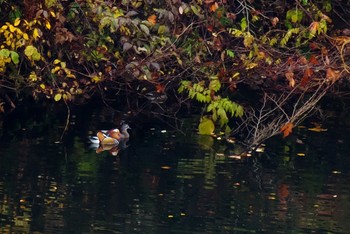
[125, 127]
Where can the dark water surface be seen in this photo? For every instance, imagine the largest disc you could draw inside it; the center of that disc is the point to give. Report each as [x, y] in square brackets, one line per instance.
[167, 182]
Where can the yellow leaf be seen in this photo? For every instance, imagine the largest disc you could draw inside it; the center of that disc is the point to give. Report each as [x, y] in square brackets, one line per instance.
[58, 97]
[17, 21]
[25, 36]
[70, 76]
[166, 167]
[42, 86]
[36, 33]
[12, 28]
[251, 65]
[235, 75]
[56, 61]
[53, 14]
[4, 27]
[48, 25]
[248, 40]
[33, 77]
[56, 69]
[96, 79]
[318, 129]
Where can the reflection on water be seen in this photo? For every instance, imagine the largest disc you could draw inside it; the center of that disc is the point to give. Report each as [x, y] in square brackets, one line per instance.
[164, 182]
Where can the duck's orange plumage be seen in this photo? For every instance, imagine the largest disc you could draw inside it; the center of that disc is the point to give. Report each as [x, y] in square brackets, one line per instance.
[106, 140]
[121, 134]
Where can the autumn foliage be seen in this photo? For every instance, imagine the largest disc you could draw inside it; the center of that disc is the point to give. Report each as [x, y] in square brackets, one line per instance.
[203, 49]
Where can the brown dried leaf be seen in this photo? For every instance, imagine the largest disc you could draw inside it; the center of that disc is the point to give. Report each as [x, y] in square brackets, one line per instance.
[290, 77]
[274, 21]
[306, 77]
[332, 75]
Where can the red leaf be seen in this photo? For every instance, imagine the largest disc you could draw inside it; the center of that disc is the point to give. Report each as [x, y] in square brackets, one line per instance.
[313, 60]
[287, 129]
[306, 77]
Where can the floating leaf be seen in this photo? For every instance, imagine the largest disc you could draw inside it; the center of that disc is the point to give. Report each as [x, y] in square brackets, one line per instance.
[206, 127]
[317, 129]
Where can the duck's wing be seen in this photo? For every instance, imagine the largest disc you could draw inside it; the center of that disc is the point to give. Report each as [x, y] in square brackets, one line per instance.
[94, 139]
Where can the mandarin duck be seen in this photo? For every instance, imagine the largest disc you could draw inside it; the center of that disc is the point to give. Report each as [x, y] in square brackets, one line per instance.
[111, 137]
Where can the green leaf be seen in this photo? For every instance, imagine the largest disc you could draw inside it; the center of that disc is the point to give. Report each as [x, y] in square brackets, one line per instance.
[294, 15]
[206, 126]
[163, 29]
[144, 28]
[230, 53]
[243, 24]
[196, 11]
[4, 53]
[14, 57]
[215, 85]
[30, 50]
[239, 111]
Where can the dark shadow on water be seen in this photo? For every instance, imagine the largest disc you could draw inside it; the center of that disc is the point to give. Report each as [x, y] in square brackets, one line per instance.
[166, 181]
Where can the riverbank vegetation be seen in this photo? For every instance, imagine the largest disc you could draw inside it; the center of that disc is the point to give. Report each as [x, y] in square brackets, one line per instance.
[255, 68]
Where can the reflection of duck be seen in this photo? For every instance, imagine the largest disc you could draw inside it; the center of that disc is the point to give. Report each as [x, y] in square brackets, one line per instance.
[112, 149]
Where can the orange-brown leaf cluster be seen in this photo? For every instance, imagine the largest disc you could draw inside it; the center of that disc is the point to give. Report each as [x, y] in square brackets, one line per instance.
[152, 19]
[287, 129]
[332, 75]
